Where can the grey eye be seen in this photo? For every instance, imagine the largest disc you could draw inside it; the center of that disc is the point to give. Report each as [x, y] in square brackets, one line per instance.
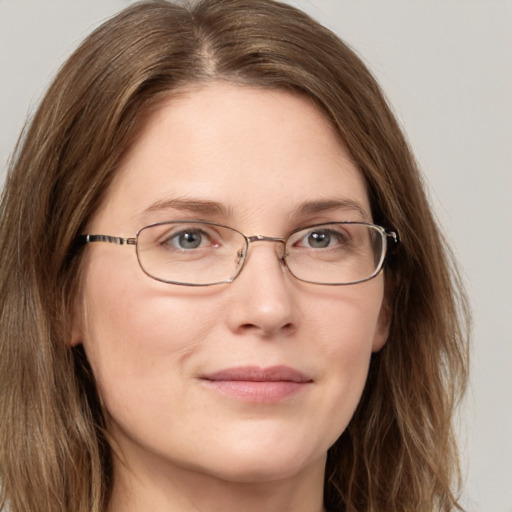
[319, 239]
[189, 239]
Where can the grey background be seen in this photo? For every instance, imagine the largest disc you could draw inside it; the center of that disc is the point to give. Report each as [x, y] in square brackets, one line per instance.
[446, 66]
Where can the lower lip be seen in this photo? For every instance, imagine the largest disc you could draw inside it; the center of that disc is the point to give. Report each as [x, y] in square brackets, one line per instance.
[257, 391]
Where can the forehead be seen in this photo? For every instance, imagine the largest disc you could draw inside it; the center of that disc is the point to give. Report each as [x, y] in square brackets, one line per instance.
[249, 150]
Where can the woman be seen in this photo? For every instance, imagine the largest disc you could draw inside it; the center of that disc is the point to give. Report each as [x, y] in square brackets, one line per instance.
[250, 351]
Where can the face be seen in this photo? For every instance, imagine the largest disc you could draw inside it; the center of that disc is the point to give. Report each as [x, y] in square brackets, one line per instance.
[214, 379]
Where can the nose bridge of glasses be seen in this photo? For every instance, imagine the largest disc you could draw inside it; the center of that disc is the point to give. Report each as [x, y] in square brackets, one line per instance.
[272, 239]
[261, 238]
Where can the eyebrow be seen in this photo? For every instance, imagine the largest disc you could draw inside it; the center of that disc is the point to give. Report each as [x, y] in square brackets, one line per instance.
[208, 207]
[202, 206]
[313, 207]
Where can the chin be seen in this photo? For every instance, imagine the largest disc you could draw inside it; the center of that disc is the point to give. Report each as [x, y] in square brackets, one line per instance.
[264, 462]
[270, 468]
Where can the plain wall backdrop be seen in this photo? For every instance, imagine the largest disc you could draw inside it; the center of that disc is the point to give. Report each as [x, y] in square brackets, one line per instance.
[446, 66]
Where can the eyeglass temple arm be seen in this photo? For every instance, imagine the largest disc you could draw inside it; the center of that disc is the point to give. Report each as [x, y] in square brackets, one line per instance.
[394, 236]
[85, 239]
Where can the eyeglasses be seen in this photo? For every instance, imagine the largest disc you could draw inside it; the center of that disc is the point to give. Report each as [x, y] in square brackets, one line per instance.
[201, 253]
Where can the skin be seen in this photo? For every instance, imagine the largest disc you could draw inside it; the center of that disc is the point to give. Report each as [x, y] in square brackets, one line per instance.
[179, 443]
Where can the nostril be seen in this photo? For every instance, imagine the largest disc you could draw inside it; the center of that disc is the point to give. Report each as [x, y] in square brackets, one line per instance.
[288, 327]
[267, 331]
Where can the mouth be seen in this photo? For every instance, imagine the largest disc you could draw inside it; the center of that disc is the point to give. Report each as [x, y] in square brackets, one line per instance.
[258, 385]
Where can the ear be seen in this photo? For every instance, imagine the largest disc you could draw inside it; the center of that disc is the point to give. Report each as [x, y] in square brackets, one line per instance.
[75, 338]
[75, 335]
[76, 330]
[382, 327]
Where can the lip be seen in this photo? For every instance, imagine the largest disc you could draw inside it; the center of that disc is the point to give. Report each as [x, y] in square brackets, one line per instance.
[256, 384]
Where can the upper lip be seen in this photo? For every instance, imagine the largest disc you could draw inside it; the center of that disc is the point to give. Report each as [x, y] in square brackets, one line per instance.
[258, 374]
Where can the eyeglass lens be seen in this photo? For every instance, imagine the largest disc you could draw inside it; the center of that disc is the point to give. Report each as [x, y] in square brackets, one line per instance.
[200, 253]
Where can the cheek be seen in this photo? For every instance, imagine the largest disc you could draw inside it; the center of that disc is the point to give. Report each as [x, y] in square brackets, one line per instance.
[137, 336]
[345, 327]
[349, 320]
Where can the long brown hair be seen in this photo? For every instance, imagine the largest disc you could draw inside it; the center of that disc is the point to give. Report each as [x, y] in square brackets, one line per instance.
[398, 453]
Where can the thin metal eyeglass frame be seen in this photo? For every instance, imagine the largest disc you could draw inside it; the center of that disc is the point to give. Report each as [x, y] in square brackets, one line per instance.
[385, 234]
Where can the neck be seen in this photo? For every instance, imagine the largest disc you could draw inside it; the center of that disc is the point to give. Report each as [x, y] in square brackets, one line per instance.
[175, 489]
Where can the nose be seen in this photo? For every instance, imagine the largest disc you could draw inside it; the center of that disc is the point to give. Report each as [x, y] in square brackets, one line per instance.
[263, 301]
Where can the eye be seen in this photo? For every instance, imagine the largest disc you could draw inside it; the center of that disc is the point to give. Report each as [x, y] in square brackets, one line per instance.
[188, 239]
[322, 238]
[319, 239]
